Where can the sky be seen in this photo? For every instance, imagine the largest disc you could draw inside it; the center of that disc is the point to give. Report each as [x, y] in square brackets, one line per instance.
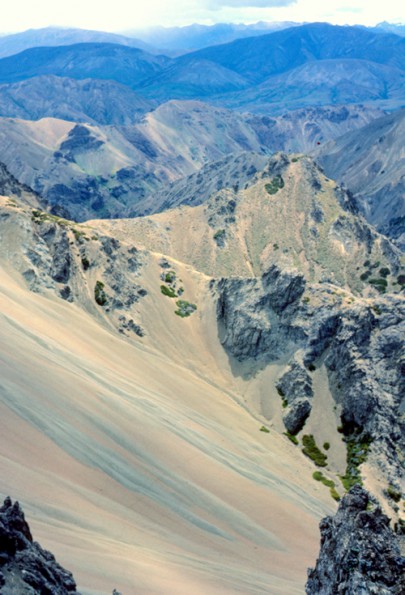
[121, 15]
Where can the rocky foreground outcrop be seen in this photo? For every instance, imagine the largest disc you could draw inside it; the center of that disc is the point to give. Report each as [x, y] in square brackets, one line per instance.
[359, 553]
[25, 567]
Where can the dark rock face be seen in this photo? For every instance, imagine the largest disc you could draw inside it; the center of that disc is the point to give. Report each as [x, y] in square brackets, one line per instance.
[359, 552]
[296, 388]
[267, 320]
[25, 567]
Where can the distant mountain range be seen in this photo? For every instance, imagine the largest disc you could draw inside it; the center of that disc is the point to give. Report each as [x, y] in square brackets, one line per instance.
[196, 36]
[171, 40]
[56, 36]
[104, 61]
[314, 64]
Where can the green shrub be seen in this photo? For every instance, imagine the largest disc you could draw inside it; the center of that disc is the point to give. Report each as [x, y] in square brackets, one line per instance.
[265, 430]
[99, 294]
[284, 403]
[380, 284]
[291, 437]
[326, 445]
[280, 391]
[401, 279]
[311, 367]
[334, 494]
[384, 272]
[185, 308]
[85, 263]
[168, 291]
[275, 185]
[312, 451]
[170, 277]
[319, 476]
[393, 494]
[357, 451]
[219, 234]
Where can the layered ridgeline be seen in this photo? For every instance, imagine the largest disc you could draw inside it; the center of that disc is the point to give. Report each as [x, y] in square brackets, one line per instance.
[57, 36]
[300, 66]
[371, 162]
[95, 171]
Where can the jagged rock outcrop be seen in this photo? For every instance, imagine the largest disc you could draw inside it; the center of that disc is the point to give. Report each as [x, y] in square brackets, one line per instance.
[357, 340]
[25, 567]
[359, 553]
[73, 261]
[295, 387]
[256, 317]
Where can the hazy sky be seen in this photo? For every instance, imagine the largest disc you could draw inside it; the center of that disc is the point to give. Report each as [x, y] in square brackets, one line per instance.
[118, 15]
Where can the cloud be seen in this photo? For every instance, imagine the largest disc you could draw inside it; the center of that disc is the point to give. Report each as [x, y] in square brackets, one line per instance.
[218, 4]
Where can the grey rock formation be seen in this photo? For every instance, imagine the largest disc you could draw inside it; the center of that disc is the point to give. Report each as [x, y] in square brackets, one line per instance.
[265, 320]
[25, 567]
[359, 554]
[295, 386]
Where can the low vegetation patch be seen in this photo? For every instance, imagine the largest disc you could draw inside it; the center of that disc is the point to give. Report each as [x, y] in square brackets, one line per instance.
[99, 294]
[85, 263]
[275, 185]
[380, 284]
[384, 272]
[291, 437]
[265, 430]
[319, 476]
[185, 308]
[168, 291]
[393, 493]
[169, 277]
[219, 234]
[313, 452]
[357, 451]
[280, 391]
[335, 494]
